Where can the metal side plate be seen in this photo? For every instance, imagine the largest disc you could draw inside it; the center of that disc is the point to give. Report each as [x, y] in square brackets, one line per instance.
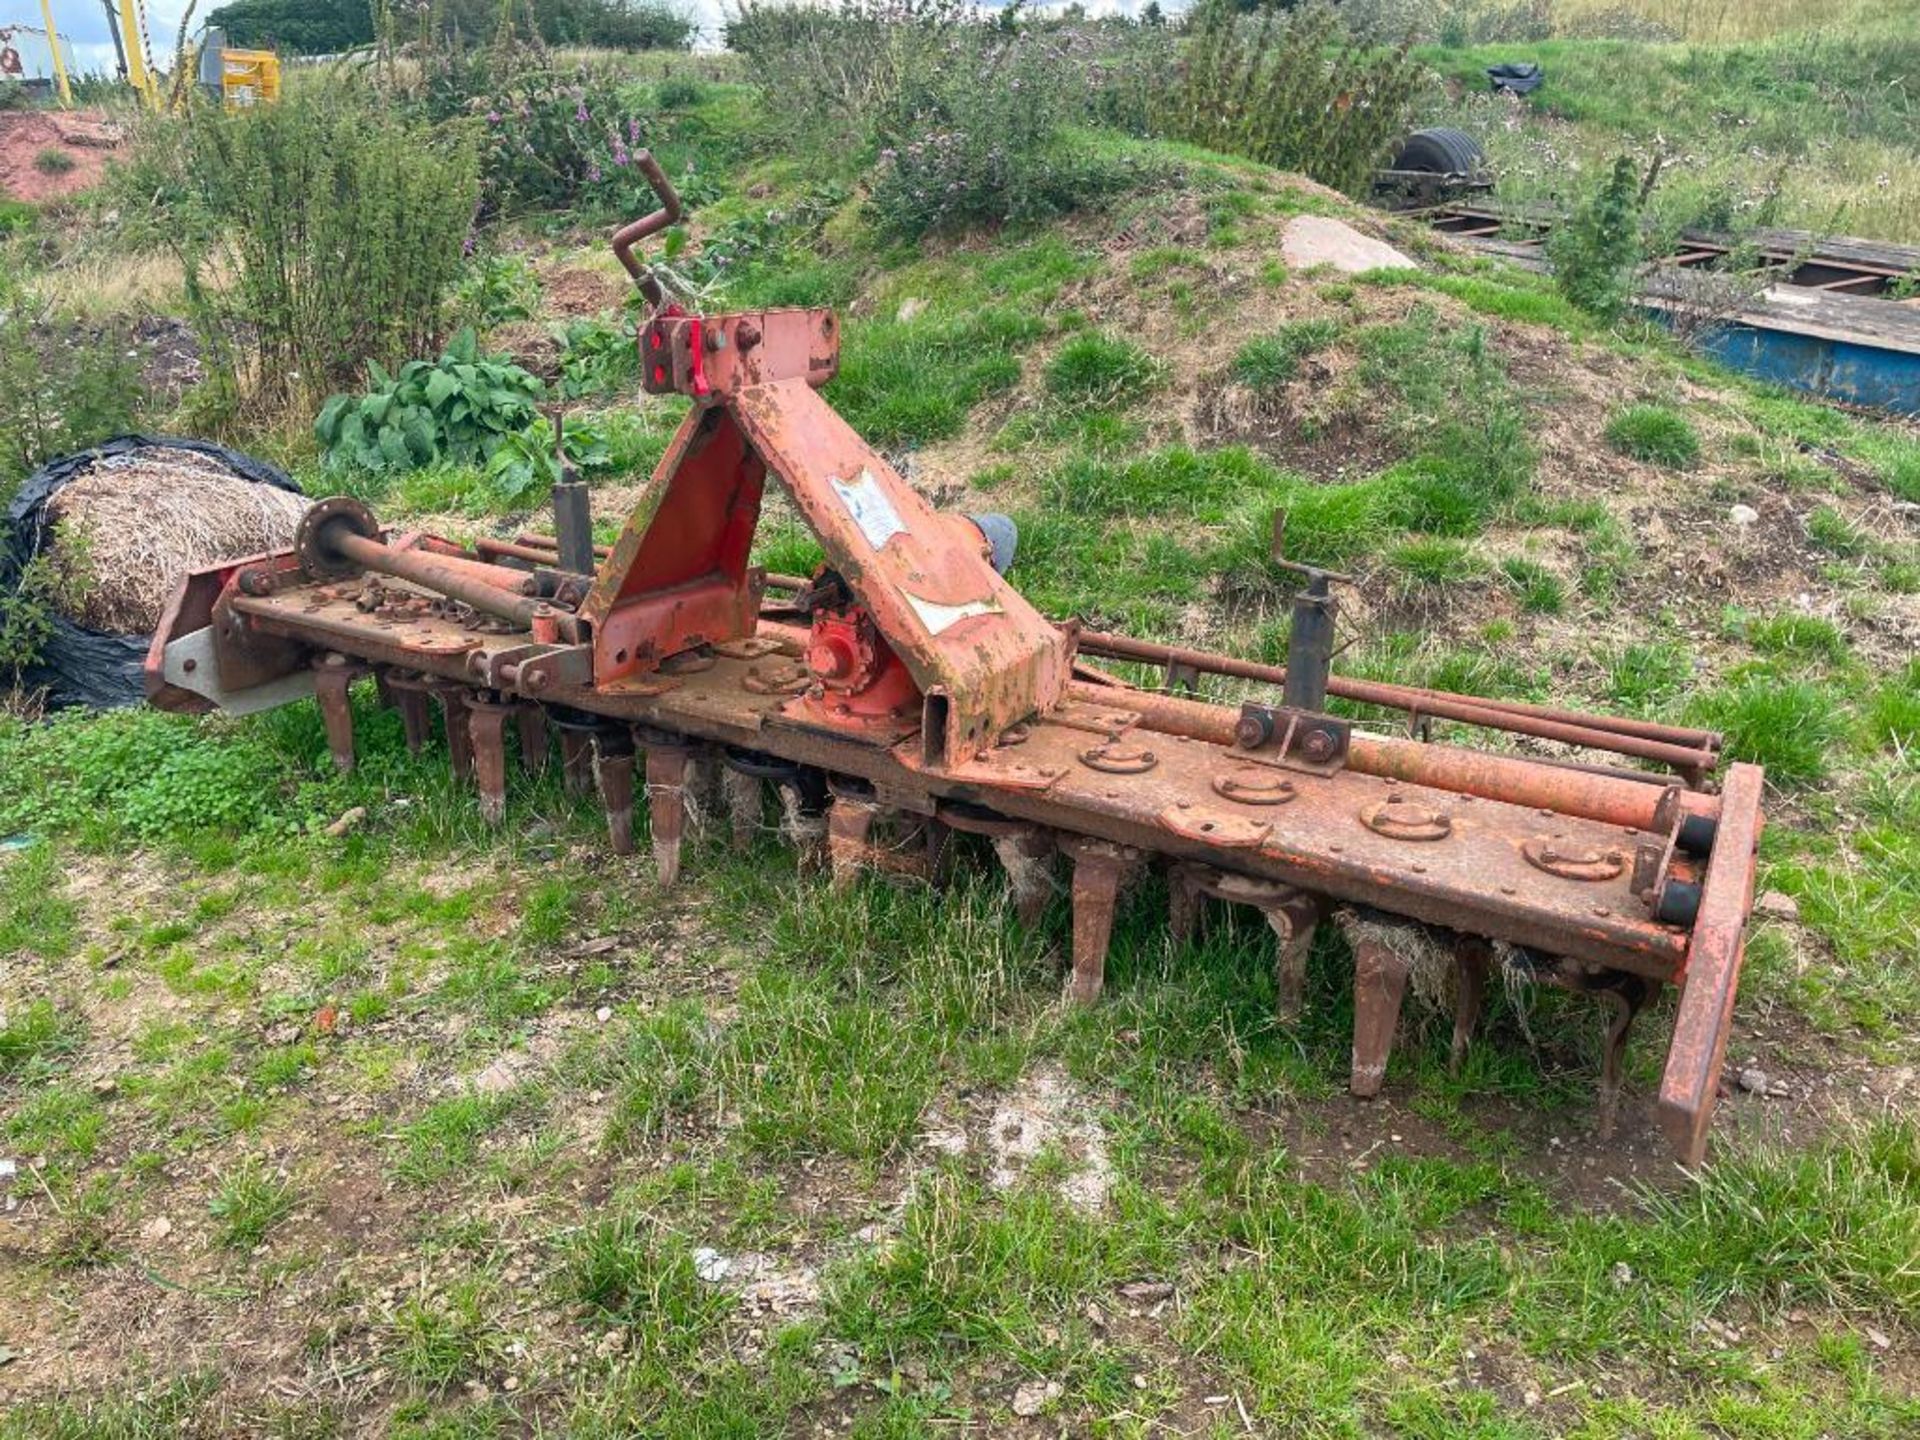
[189, 663]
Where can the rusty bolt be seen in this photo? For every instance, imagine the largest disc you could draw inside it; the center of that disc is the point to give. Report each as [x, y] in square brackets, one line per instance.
[1317, 745]
[1253, 731]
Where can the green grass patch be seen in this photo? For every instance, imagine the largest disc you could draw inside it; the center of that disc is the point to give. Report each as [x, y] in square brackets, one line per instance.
[1655, 434]
[1269, 361]
[1095, 371]
[1793, 727]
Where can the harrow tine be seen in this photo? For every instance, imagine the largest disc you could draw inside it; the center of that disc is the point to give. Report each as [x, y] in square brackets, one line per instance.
[333, 678]
[1626, 999]
[667, 767]
[1186, 903]
[1379, 985]
[453, 710]
[1473, 958]
[1293, 917]
[1024, 855]
[531, 722]
[849, 837]
[487, 739]
[938, 839]
[746, 805]
[803, 818]
[613, 762]
[408, 695]
[576, 761]
[1098, 867]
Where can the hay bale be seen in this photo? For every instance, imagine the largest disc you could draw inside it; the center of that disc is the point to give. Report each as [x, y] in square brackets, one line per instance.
[127, 531]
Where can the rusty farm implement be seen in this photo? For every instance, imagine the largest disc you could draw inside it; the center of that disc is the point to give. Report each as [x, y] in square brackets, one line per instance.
[906, 692]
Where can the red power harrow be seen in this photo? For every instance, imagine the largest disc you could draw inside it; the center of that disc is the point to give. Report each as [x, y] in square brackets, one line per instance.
[906, 692]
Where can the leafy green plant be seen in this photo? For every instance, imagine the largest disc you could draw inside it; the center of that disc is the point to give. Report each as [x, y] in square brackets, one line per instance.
[525, 466]
[460, 407]
[597, 358]
[496, 289]
[1657, 434]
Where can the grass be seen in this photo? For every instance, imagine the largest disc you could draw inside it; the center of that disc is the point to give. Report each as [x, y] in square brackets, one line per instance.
[1790, 726]
[1269, 361]
[1100, 372]
[251, 1201]
[1655, 434]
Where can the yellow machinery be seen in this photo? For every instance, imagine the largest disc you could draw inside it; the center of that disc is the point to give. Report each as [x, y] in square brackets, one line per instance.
[247, 77]
[239, 77]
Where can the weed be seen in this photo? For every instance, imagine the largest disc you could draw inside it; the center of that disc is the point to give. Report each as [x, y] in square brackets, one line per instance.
[1595, 252]
[632, 1271]
[1648, 676]
[440, 1338]
[54, 161]
[251, 1200]
[1655, 434]
[1809, 637]
[1434, 560]
[446, 1137]
[1831, 531]
[35, 1036]
[459, 408]
[37, 917]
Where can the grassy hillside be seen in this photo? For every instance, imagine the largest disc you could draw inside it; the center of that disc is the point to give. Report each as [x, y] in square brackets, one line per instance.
[340, 1114]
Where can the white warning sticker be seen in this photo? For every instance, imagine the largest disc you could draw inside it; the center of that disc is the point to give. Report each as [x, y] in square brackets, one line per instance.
[872, 511]
[940, 618]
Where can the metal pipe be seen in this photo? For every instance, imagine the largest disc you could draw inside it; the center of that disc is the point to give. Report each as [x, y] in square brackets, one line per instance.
[1415, 698]
[515, 582]
[1442, 767]
[435, 572]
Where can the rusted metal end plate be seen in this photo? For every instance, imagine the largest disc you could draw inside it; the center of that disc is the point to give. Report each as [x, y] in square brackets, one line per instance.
[1712, 976]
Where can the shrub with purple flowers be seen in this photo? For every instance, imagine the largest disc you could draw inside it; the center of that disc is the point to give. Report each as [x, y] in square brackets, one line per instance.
[557, 141]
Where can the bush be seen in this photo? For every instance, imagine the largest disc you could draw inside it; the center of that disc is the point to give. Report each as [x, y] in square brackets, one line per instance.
[1291, 90]
[315, 234]
[62, 387]
[1655, 434]
[557, 140]
[971, 118]
[296, 27]
[1596, 252]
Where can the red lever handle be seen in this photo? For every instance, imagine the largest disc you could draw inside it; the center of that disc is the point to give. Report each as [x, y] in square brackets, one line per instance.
[628, 236]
